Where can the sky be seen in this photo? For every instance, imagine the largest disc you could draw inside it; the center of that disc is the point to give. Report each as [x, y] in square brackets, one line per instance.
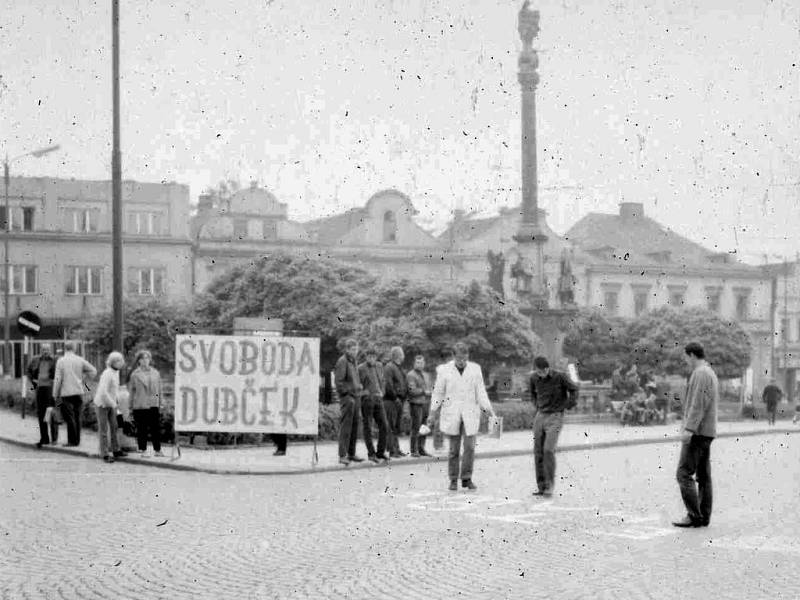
[688, 106]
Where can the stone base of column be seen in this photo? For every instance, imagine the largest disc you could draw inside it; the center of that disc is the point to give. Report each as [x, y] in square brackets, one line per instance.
[551, 325]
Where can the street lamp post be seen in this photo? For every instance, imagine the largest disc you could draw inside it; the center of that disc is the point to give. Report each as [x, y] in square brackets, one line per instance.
[7, 283]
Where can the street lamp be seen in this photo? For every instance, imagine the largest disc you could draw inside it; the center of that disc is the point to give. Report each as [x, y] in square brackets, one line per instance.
[6, 180]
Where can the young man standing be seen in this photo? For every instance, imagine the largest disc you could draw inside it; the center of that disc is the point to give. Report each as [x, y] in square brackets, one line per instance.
[373, 384]
[348, 387]
[699, 430]
[41, 372]
[395, 396]
[419, 402]
[552, 392]
[461, 393]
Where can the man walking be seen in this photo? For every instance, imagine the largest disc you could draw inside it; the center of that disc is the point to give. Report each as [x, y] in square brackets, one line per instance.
[461, 393]
[396, 393]
[373, 384]
[68, 389]
[552, 392]
[419, 402]
[41, 372]
[771, 396]
[349, 389]
[446, 356]
[699, 430]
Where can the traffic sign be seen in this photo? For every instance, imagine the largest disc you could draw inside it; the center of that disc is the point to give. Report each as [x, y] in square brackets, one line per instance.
[29, 323]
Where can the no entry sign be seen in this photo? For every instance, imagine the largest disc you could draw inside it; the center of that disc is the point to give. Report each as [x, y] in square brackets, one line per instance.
[29, 323]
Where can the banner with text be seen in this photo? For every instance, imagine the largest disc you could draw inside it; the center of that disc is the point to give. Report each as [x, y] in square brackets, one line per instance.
[246, 384]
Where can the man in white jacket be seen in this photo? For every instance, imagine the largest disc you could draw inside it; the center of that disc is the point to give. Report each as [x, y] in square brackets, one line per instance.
[461, 393]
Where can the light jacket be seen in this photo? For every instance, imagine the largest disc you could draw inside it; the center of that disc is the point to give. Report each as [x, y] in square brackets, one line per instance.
[145, 389]
[70, 372]
[107, 389]
[702, 397]
[461, 396]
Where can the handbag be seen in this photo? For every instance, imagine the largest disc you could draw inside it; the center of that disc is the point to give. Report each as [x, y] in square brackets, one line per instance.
[495, 427]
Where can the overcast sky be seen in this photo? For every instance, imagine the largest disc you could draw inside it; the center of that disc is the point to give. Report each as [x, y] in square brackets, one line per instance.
[689, 106]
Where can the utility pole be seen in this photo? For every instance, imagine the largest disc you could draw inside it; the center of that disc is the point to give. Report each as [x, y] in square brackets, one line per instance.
[786, 321]
[116, 184]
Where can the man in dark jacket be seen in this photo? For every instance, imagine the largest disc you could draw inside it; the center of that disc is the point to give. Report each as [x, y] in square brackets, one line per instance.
[552, 392]
[419, 403]
[373, 384]
[396, 393]
[771, 396]
[348, 387]
[41, 372]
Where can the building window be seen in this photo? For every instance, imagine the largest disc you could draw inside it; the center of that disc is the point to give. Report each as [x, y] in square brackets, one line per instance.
[270, 230]
[21, 218]
[84, 281]
[713, 302]
[785, 331]
[640, 303]
[389, 227]
[146, 281]
[676, 298]
[23, 279]
[611, 302]
[81, 220]
[240, 228]
[144, 223]
[742, 307]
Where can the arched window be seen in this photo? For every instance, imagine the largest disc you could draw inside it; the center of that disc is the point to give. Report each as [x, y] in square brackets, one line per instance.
[389, 227]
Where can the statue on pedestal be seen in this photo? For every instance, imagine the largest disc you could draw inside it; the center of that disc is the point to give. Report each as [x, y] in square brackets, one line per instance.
[497, 267]
[566, 281]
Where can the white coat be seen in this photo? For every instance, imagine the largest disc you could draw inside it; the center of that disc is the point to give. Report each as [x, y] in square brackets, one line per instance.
[461, 396]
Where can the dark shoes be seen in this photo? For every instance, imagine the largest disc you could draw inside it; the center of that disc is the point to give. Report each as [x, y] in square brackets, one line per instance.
[39, 444]
[688, 522]
[397, 454]
[415, 455]
[401, 453]
[467, 483]
[543, 493]
[423, 453]
[279, 453]
[453, 485]
[382, 457]
[120, 453]
[355, 459]
[373, 459]
[108, 458]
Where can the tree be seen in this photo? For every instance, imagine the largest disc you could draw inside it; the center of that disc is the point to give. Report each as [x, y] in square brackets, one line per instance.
[597, 343]
[657, 340]
[150, 325]
[423, 318]
[317, 296]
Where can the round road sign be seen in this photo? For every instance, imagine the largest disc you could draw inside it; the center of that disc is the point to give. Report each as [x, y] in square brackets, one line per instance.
[29, 323]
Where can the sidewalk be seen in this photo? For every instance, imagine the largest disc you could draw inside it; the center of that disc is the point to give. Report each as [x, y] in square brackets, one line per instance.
[298, 459]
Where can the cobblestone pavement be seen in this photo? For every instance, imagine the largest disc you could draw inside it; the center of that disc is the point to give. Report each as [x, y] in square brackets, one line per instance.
[78, 528]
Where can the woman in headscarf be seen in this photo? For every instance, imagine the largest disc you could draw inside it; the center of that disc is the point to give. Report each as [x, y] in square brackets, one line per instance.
[105, 402]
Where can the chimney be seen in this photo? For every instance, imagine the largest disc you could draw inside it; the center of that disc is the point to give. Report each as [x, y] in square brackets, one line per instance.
[631, 210]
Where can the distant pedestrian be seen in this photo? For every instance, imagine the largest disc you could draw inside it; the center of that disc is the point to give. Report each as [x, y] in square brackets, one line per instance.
[461, 394]
[41, 373]
[373, 384]
[348, 387]
[69, 386]
[145, 397]
[552, 392]
[393, 399]
[771, 395]
[419, 403]
[699, 430]
[106, 402]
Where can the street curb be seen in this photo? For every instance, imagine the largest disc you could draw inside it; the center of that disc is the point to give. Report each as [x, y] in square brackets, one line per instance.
[170, 464]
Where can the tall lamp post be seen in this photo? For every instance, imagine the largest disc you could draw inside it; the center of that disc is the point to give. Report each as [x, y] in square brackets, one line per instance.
[7, 284]
[116, 184]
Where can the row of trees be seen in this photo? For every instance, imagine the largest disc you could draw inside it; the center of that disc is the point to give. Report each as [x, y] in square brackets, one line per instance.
[655, 341]
[332, 300]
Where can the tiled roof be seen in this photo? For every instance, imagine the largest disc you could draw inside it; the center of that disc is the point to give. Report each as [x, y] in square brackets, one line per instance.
[331, 229]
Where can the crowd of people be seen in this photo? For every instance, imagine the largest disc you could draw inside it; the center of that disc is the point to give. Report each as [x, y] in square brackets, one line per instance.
[60, 385]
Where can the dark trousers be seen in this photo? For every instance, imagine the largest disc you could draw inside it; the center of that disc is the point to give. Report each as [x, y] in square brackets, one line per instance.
[394, 411]
[466, 460]
[372, 408]
[695, 463]
[419, 414]
[71, 412]
[44, 399]
[546, 428]
[148, 421]
[349, 408]
[771, 411]
[280, 440]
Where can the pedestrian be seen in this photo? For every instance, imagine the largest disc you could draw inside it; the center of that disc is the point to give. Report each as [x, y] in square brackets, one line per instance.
[393, 399]
[348, 387]
[771, 395]
[106, 402]
[699, 430]
[461, 394]
[144, 387]
[552, 392]
[373, 384]
[41, 373]
[445, 357]
[280, 440]
[419, 403]
[69, 386]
